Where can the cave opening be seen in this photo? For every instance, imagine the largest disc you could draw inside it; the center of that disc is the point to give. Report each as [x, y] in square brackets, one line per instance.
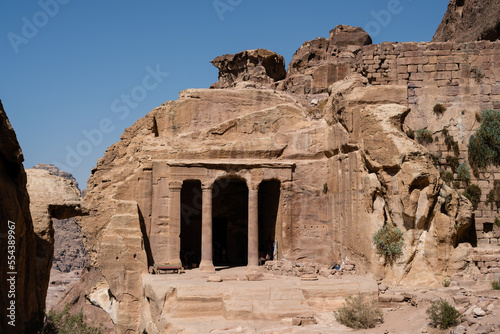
[269, 198]
[191, 212]
[230, 222]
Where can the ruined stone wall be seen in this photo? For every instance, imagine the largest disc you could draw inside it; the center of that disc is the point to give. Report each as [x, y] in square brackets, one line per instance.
[464, 77]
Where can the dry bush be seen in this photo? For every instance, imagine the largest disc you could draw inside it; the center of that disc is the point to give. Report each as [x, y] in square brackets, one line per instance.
[358, 314]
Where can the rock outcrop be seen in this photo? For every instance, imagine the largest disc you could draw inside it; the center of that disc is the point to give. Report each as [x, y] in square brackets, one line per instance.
[320, 62]
[51, 197]
[470, 20]
[343, 169]
[307, 179]
[57, 172]
[17, 289]
[400, 184]
[258, 68]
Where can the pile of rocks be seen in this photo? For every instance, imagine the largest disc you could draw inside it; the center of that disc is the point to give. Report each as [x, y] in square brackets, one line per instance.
[474, 309]
[289, 268]
[387, 296]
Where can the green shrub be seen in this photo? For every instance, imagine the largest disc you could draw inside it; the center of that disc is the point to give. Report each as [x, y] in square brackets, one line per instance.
[484, 145]
[463, 173]
[490, 198]
[325, 188]
[358, 314]
[439, 108]
[446, 282]
[495, 285]
[445, 132]
[389, 242]
[451, 144]
[473, 194]
[494, 195]
[441, 314]
[436, 158]
[67, 323]
[497, 221]
[456, 184]
[447, 176]
[424, 136]
[477, 74]
[453, 162]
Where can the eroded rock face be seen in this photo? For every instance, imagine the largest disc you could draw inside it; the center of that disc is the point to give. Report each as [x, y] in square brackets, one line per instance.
[319, 63]
[400, 184]
[51, 197]
[344, 170]
[251, 68]
[14, 207]
[470, 20]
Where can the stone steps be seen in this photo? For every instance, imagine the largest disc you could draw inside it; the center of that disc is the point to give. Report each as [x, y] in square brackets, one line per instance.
[262, 303]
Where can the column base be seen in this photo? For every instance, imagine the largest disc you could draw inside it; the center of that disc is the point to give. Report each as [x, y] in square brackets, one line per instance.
[207, 266]
[252, 269]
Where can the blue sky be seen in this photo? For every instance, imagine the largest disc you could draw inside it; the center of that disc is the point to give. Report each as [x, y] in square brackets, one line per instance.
[75, 74]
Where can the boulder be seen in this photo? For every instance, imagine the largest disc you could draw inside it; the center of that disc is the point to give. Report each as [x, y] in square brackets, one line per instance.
[249, 69]
[320, 62]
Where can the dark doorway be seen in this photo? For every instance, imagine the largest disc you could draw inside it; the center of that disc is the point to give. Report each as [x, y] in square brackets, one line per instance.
[269, 199]
[230, 222]
[191, 201]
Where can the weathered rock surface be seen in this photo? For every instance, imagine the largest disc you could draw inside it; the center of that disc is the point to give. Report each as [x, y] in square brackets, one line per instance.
[51, 197]
[251, 68]
[320, 62]
[400, 185]
[77, 297]
[14, 206]
[345, 167]
[56, 171]
[470, 20]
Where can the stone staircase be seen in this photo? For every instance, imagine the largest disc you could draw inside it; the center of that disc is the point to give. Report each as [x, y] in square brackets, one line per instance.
[254, 301]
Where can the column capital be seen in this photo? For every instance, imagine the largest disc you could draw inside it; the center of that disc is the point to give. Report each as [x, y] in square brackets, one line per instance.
[175, 185]
[207, 185]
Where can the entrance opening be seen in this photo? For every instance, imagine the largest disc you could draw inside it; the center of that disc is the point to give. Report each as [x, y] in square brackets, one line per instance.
[230, 222]
[269, 198]
[191, 201]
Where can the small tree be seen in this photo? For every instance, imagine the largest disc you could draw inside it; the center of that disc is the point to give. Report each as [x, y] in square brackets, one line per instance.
[463, 173]
[441, 314]
[484, 145]
[389, 242]
[473, 194]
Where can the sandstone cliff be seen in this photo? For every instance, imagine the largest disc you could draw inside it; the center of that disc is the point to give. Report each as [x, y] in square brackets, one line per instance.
[51, 197]
[14, 207]
[337, 151]
[470, 20]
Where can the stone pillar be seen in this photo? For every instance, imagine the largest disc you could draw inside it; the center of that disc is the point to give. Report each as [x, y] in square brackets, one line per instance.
[206, 229]
[174, 225]
[253, 229]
